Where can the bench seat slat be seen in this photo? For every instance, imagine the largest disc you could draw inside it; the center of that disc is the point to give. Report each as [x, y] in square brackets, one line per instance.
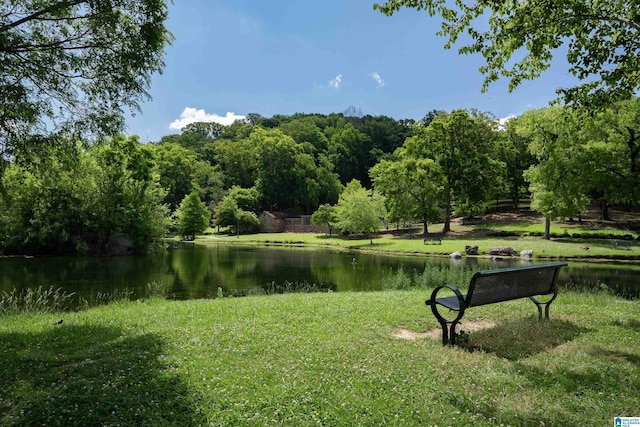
[452, 303]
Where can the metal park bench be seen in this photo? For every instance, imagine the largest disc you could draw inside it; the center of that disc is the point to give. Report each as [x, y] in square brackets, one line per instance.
[492, 286]
[622, 243]
[432, 241]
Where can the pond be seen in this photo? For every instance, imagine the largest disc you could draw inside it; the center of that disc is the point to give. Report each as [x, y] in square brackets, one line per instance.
[204, 272]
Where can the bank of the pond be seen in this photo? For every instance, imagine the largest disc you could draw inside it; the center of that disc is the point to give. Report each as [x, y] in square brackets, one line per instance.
[560, 248]
[324, 359]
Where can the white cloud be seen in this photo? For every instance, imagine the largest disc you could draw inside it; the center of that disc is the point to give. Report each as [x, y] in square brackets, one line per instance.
[335, 83]
[502, 122]
[192, 115]
[375, 76]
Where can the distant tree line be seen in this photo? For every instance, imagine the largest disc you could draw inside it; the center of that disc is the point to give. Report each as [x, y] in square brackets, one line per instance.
[70, 69]
[63, 195]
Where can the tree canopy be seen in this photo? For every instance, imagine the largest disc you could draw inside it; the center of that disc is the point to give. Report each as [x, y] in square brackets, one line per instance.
[519, 38]
[76, 65]
[192, 216]
[360, 210]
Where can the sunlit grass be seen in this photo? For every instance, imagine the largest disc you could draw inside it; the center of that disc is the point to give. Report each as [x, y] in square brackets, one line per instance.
[557, 247]
[320, 359]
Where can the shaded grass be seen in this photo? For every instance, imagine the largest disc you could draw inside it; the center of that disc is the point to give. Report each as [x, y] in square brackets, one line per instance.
[522, 338]
[318, 359]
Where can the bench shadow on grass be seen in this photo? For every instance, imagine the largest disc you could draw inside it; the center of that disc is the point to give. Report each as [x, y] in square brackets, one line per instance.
[521, 338]
[90, 375]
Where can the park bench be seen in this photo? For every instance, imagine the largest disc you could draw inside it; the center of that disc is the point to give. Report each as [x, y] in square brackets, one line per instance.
[432, 241]
[493, 286]
[622, 244]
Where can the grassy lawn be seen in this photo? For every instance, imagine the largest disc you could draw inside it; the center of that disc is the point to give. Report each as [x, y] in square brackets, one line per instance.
[588, 239]
[320, 359]
[558, 247]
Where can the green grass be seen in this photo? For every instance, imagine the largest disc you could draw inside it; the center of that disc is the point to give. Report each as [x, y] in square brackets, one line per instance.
[562, 247]
[320, 359]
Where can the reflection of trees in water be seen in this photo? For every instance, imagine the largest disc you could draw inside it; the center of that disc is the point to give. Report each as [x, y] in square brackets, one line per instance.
[85, 276]
[615, 279]
[197, 272]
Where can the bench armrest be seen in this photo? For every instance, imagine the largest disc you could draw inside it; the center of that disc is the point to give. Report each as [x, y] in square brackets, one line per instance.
[456, 303]
[460, 306]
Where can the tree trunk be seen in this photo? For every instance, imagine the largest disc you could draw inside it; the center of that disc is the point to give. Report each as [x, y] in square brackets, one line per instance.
[426, 227]
[447, 211]
[604, 210]
[515, 197]
[547, 228]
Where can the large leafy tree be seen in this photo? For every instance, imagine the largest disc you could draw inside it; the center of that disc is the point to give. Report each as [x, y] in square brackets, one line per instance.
[181, 172]
[360, 210]
[519, 38]
[176, 167]
[559, 180]
[350, 152]
[325, 215]
[238, 159]
[63, 198]
[461, 144]
[129, 198]
[76, 65]
[192, 216]
[512, 149]
[614, 154]
[385, 133]
[412, 187]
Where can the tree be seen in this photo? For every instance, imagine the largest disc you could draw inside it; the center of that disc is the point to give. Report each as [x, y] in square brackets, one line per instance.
[412, 187]
[75, 65]
[278, 177]
[192, 216]
[513, 151]
[128, 200]
[247, 199]
[46, 202]
[613, 149]
[360, 210]
[176, 167]
[385, 133]
[227, 212]
[518, 39]
[325, 215]
[238, 160]
[558, 182]
[63, 198]
[248, 222]
[350, 152]
[460, 143]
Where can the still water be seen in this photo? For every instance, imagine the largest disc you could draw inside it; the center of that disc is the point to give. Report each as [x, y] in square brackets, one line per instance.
[199, 272]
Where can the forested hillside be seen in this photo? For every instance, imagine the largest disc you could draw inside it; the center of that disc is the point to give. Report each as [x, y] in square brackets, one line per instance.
[118, 195]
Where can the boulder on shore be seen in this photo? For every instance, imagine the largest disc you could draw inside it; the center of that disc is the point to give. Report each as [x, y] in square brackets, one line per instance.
[526, 253]
[471, 250]
[503, 251]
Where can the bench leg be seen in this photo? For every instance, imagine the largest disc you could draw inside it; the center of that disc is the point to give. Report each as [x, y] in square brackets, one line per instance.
[539, 304]
[449, 333]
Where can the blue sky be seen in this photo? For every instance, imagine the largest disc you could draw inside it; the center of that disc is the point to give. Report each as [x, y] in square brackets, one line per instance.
[233, 57]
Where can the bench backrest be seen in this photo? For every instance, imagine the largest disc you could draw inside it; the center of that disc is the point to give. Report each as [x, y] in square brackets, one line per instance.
[506, 284]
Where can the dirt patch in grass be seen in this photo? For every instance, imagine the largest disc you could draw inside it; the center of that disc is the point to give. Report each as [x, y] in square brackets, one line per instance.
[403, 333]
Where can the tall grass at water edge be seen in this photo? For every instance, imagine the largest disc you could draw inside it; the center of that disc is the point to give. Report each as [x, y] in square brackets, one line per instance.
[431, 277]
[50, 299]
